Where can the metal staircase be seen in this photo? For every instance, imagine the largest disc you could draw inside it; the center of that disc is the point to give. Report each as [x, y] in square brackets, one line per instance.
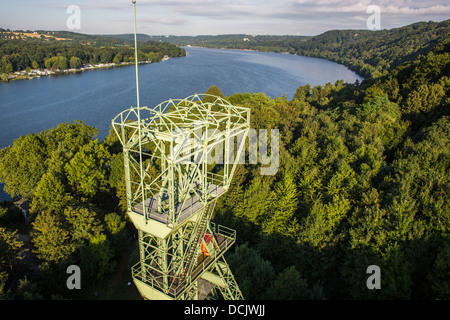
[196, 238]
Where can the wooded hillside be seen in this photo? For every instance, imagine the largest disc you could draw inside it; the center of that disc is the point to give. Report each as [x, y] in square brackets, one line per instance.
[364, 179]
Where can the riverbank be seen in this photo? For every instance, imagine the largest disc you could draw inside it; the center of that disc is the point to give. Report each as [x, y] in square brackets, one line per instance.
[37, 73]
[95, 97]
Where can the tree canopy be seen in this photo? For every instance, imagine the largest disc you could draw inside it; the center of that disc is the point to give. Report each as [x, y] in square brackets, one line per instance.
[363, 180]
[19, 53]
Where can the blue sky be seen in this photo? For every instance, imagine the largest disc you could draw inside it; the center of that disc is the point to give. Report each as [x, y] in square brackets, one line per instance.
[179, 17]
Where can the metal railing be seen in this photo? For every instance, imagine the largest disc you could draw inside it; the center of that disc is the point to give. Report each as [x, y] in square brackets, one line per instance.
[151, 210]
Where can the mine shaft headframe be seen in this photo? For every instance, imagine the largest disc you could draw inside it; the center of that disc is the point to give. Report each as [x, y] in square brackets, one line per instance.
[167, 151]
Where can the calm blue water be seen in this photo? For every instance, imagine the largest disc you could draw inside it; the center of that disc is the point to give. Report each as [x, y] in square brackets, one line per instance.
[97, 96]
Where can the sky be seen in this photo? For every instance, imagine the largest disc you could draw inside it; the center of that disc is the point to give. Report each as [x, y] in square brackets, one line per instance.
[209, 17]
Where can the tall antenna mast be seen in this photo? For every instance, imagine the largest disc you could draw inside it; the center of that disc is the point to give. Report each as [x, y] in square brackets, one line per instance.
[141, 169]
[136, 55]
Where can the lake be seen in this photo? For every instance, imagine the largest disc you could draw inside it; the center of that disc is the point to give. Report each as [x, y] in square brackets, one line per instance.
[97, 96]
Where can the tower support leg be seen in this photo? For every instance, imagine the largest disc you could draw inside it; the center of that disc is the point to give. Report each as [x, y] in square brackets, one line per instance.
[231, 290]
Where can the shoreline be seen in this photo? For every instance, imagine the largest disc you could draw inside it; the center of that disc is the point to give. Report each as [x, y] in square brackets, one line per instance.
[279, 52]
[251, 50]
[37, 73]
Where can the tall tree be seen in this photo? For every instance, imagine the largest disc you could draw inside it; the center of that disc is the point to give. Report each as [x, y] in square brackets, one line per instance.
[284, 203]
[289, 285]
[253, 274]
[87, 170]
[50, 238]
[83, 224]
[115, 228]
[50, 194]
[22, 165]
[75, 62]
[96, 257]
[9, 256]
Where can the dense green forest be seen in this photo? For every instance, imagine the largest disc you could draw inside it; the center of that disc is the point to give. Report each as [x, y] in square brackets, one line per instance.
[364, 179]
[372, 54]
[34, 53]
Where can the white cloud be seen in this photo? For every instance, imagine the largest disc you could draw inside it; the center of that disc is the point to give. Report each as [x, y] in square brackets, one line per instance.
[245, 16]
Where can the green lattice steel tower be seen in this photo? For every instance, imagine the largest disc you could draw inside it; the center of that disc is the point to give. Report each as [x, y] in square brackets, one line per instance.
[172, 188]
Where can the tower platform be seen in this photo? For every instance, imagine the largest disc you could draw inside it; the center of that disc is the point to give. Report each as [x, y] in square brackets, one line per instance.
[158, 223]
[182, 210]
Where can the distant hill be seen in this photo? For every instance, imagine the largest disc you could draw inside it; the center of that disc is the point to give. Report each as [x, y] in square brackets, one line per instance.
[374, 53]
[6, 34]
[236, 41]
[128, 36]
[60, 50]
